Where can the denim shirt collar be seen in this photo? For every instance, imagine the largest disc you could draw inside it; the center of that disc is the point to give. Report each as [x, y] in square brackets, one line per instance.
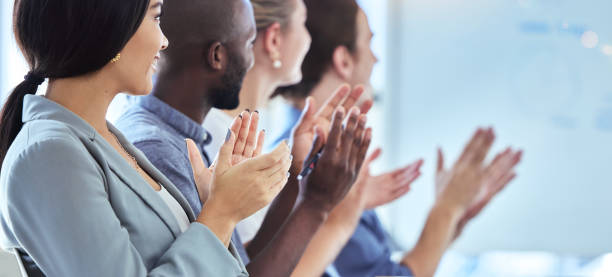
[179, 121]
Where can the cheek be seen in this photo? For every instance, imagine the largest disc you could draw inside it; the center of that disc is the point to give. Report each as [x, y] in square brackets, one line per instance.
[300, 47]
[139, 55]
[306, 39]
[362, 72]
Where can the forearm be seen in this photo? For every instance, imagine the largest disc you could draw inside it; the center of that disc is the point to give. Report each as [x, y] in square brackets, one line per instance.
[283, 252]
[436, 237]
[221, 226]
[279, 211]
[325, 246]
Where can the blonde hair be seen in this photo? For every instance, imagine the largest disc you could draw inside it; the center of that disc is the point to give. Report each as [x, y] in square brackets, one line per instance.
[268, 12]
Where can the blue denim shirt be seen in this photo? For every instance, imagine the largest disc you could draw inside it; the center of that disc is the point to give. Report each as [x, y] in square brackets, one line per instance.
[160, 131]
[368, 251]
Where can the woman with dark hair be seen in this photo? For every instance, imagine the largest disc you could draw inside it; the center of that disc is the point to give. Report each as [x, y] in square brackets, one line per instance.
[77, 199]
[353, 239]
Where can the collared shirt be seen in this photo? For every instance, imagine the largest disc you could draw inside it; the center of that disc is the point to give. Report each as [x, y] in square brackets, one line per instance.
[217, 123]
[160, 131]
[368, 251]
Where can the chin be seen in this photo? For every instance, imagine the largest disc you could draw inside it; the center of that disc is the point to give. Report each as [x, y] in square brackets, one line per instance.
[142, 89]
[294, 79]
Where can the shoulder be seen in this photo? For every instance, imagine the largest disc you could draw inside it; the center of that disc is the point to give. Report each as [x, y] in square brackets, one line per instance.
[42, 137]
[162, 148]
[139, 125]
[46, 141]
[51, 157]
[167, 156]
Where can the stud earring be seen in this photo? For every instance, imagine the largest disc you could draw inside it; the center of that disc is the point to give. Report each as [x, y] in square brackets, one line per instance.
[277, 64]
[116, 58]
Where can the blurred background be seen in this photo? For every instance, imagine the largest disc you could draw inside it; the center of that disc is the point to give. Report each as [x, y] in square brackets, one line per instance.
[539, 71]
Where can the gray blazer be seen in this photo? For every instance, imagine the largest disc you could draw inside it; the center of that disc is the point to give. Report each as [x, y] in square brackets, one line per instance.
[70, 201]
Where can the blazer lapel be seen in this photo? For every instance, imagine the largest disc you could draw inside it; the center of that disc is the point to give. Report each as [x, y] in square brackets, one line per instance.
[38, 107]
[155, 174]
[133, 180]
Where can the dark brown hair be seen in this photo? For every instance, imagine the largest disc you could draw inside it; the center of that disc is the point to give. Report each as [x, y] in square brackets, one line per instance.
[331, 23]
[65, 38]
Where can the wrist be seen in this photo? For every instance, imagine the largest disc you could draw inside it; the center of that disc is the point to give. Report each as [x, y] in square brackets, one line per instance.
[449, 210]
[344, 218]
[220, 223]
[450, 203]
[318, 202]
[296, 166]
[315, 207]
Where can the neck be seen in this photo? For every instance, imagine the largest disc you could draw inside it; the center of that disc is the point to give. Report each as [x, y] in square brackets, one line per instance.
[257, 87]
[87, 96]
[184, 92]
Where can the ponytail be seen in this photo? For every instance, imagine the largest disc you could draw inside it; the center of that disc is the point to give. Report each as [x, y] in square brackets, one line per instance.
[11, 120]
[92, 32]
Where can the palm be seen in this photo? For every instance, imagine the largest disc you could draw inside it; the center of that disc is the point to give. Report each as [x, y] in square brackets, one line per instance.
[303, 134]
[238, 158]
[248, 146]
[387, 187]
[491, 179]
[302, 141]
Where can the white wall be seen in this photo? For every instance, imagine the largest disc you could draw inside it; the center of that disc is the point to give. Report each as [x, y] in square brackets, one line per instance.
[13, 66]
[7, 262]
[522, 67]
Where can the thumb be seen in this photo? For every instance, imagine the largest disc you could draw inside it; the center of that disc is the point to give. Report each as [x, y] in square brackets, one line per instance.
[307, 116]
[440, 166]
[195, 158]
[224, 158]
[317, 144]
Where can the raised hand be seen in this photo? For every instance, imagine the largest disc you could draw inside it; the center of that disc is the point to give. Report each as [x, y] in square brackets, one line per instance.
[340, 159]
[369, 191]
[239, 190]
[248, 144]
[387, 187]
[482, 182]
[304, 132]
[464, 179]
[245, 125]
[498, 174]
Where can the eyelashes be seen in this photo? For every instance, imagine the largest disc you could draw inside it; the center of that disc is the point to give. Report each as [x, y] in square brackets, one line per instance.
[159, 16]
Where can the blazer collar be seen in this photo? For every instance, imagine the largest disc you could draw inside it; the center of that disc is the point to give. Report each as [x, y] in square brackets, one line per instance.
[40, 108]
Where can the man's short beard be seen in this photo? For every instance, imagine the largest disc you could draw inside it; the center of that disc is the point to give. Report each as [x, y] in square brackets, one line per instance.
[228, 97]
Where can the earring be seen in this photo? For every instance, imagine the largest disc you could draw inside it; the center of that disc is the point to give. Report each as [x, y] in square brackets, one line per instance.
[116, 58]
[277, 64]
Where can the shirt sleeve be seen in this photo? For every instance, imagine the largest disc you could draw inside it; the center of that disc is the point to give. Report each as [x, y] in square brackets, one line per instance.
[58, 211]
[366, 254]
[173, 162]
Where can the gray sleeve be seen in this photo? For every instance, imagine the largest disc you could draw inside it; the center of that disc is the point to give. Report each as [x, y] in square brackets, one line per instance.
[60, 214]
